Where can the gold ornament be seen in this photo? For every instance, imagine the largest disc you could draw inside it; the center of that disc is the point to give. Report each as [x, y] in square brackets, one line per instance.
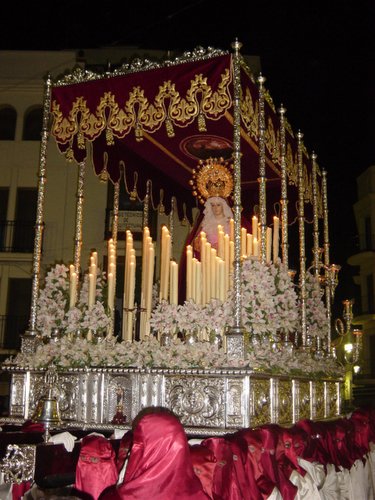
[212, 177]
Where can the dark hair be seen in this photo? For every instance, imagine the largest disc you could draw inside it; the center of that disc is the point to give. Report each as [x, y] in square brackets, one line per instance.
[152, 409]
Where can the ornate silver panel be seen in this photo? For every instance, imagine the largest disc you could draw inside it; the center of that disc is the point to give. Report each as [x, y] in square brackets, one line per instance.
[318, 400]
[303, 399]
[334, 398]
[118, 391]
[260, 402]
[18, 395]
[285, 407]
[199, 401]
[217, 400]
[237, 410]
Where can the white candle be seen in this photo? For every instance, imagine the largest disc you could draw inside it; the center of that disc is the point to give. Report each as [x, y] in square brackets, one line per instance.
[198, 283]
[150, 278]
[276, 228]
[92, 294]
[111, 294]
[207, 260]
[268, 244]
[73, 290]
[226, 261]
[214, 293]
[222, 291]
[189, 259]
[220, 242]
[255, 226]
[194, 279]
[243, 241]
[255, 247]
[249, 244]
[231, 229]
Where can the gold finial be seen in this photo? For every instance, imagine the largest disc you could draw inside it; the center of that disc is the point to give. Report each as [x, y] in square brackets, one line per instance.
[314, 156]
[282, 110]
[236, 46]
[261, 79]
[299, 135]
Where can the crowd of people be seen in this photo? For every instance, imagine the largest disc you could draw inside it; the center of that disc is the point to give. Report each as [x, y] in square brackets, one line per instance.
[156, 460]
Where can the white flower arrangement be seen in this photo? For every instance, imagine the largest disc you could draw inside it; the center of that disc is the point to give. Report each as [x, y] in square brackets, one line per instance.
[52, 309]
[269, 299]
[164, 317]
[80, 353]
[316, 312]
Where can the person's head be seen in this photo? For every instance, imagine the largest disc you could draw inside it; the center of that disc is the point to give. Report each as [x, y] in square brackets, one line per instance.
[217, 207]
[153, 410]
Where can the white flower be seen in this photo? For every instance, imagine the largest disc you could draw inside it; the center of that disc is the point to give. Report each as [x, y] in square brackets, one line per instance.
[316, 312]
[53, 311]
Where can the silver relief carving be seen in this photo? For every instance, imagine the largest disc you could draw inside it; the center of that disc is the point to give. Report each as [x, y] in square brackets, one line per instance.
[18, 465]
[198, 401]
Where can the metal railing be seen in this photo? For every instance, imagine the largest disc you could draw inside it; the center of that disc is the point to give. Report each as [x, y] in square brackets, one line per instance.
[17, 236]
[11, 327]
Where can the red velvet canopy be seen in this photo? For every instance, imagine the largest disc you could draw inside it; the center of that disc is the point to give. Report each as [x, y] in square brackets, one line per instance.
[156, 124]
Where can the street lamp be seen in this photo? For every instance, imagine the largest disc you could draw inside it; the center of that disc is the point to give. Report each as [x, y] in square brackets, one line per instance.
[351, 339]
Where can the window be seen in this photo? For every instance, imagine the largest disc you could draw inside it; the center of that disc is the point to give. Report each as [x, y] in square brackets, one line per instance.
[8, 118]
[4, 195]
[370, 294]
[24, 225]
[368, 234]
[32, 127]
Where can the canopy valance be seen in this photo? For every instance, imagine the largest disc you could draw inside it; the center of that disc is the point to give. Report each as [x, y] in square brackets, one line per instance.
[155, 122]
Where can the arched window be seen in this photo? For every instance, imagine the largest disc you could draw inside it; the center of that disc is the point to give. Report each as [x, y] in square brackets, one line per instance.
[8, 118]
[32, 125]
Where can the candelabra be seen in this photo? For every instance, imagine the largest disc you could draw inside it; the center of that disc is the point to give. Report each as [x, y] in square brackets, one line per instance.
[352, 348]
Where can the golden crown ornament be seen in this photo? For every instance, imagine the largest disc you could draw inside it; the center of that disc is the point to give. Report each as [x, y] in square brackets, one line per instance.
[212, 177]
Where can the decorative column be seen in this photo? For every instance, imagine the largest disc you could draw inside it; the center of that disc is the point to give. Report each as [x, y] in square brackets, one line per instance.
[28, 338]
[328, 289]
[301, 232]
[262, 172]
[146, 207]
[116, 203]
[79, 217]
[284, 190]
[316, 249]
[235, 337]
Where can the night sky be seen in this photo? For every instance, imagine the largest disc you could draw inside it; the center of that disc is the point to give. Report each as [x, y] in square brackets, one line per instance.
[318, 58]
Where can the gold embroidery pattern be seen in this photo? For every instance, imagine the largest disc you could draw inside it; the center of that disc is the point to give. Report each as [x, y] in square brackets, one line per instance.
[249, 115]
[201, 101]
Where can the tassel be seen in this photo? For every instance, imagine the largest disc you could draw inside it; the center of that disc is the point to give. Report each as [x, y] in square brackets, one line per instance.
[201, 123]
[80, 140]
[109, 137]
[169, 128]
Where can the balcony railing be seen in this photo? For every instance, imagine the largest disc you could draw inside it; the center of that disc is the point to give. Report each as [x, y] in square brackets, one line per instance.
[17, 236]
[11, 327]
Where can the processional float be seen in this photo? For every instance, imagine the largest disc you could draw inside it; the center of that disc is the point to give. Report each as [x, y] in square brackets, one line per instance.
[143, 125]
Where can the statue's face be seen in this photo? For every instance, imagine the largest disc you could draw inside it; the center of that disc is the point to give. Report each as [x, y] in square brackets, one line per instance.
[217, 208]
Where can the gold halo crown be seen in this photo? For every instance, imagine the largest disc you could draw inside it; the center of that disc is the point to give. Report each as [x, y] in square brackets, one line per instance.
[212, 177]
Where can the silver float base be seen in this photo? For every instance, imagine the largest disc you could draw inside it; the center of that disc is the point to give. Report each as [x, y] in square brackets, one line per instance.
[209, 402]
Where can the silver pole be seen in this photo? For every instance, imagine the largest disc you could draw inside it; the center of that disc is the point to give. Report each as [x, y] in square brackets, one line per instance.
[28, 339]
[235, 337]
